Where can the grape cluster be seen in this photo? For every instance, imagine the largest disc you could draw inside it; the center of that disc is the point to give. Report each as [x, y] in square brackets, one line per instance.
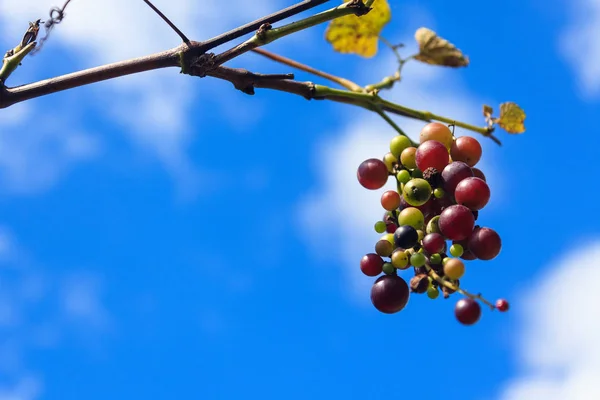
[438, 198]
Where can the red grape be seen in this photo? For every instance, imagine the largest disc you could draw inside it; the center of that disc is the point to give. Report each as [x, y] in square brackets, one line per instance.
[390, 200]
[391, 227]
[472, 192]
[467, 311]
[502, 305]
[456, 222]
[433, 243]
[431, 154]
[389, 294]
[485, 243]
[372, 174]
[371, 264]
[466, 149]
[477, 172]
[453, 173]
[436, 131]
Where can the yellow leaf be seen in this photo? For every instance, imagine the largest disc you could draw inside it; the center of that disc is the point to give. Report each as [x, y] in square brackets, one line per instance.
[438, 51]
[512, 118]
[359, 35]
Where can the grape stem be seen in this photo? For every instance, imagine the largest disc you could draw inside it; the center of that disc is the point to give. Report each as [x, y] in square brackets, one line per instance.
[451, 286]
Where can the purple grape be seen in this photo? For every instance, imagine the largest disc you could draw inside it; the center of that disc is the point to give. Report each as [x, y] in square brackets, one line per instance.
[389, 294]
[453, 173]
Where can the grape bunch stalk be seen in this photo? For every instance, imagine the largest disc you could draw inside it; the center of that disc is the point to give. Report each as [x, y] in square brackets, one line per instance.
[430, 222]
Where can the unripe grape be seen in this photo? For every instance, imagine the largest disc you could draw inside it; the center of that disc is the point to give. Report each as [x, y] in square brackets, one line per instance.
[433, 292]
[398, 144]
[380, 226]
[407, 158]
[411, 216]
[437, 131]
[403, 176]
[417, 260]
[466, 149]
[454, 268]
[388, 269]
[435, 258]
[433, 225]
[456, 250]
[400, 259]
[417, 192]
[439, 193]
[384, 248]
[390, 200]
[389, 160]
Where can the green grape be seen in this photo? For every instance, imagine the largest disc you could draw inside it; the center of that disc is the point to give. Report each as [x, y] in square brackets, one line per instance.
[435, 258]
[398, 144]
[399, 259]
[388, 268]
[389, 160]
[407, 157]
[403, 176]
[456, 250]
[445, 260]
[411, 216]
[439, 193]
[416, 192]
[420, 234]
[389, 237]
[433, 292]
[416, 173]
[417, 260]
[380, 227]
[433, 225]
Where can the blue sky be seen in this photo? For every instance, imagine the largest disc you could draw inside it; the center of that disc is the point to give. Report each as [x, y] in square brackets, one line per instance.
[164, 237]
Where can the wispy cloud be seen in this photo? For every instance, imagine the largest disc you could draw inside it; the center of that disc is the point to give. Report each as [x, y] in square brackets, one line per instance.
[41, 310]
[558, 352]
[579, 44]
[154, 108]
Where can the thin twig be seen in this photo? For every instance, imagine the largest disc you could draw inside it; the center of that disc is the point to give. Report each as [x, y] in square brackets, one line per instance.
[168, 21]
[348, 84]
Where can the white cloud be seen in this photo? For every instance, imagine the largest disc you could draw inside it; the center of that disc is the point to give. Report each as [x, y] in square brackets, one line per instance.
[558, 350]
[342, 209]
[154, 108]
[579, 45]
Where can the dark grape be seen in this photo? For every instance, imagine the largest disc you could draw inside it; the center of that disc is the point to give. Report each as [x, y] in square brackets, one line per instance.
[477, 173]
[502, 305]
[406, 237]
[372, 174]
[453, 173]
[472, 192]
[456, 222]
[371, 264]
[436, 131]
[467, 311]
[433, 243]
[389, 294]
[431, 154]
[485, 243]
[391, 227]
[466, 149]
